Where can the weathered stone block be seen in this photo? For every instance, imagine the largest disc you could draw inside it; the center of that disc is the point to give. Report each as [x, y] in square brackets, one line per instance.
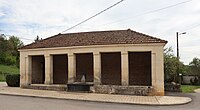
[46, 87]
[129, 90]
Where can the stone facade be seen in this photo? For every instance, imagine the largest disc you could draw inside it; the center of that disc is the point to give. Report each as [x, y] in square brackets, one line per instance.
[157, 70]
[119, 59]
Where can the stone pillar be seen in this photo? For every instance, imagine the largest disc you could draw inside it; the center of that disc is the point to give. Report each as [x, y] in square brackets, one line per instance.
[71, 68]
[97, 68]
[153, 69]
[22, 70]
[124, 69]
[48, 69]
[158, 73]
[28, 66]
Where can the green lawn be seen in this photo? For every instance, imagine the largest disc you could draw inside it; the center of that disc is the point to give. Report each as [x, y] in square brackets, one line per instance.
[188, 88]
[7, 69]
[2, 78]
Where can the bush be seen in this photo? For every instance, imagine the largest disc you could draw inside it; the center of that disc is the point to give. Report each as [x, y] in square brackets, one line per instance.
[13, 80]
[194, 81]
[172, 87]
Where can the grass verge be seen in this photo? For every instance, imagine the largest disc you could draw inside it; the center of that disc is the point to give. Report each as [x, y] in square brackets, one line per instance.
[188, 88]
[7, 69]
[2, 78]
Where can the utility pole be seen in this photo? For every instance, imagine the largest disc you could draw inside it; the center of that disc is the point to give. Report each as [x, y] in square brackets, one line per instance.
[178, 58]
[177, 45]
[177, 71]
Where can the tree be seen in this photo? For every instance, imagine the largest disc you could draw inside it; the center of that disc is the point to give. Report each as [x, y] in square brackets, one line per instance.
[15, 43]
[170, 66]
[3, 43]
[195, 66]
[9, 54]
[3, 48]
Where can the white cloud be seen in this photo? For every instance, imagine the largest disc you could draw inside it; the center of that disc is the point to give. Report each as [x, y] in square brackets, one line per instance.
[28, 19]
[2, 4]
[1, 13]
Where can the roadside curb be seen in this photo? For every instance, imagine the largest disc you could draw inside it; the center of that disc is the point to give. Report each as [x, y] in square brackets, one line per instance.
[197, 90]
[86, 100]
[189, 101]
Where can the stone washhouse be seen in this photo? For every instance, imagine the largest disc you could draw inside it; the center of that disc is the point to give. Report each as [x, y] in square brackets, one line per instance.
[113, 62]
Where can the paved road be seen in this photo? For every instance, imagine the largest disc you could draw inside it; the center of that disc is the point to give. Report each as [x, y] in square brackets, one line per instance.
[30, 103]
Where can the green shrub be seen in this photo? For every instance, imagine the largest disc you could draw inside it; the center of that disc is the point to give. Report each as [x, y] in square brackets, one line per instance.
[194, 81]
[13, 80]
[172, 87]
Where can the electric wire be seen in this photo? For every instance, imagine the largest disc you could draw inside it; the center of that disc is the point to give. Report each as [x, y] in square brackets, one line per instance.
[193, 27]
[148, 12]
[17, 37]
[92, 16]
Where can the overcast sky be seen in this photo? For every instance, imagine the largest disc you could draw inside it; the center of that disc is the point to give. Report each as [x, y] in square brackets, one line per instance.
[29, 18]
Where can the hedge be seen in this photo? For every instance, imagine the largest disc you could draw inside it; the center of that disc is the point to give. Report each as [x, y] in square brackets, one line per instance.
[13, 80]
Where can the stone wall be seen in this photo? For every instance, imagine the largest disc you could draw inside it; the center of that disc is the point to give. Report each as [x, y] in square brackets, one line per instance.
[156, 50]
[103, 89]
[46, 87]
[126, 90]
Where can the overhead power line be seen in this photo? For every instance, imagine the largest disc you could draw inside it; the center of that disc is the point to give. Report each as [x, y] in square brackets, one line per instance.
[92, 16]
[17, 37]
[25, 38]
[148, 12]
[193, 27]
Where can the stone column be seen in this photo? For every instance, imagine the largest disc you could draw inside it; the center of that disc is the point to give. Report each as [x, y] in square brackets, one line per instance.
[124, 69]
[97, 68]
[153, 69]
[158, 73]
[48, 69]
[22, 70]
[71, 68]
[28, 74]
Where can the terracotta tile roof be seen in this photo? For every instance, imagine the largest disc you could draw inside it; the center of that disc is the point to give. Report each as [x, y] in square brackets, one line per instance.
[94, 38]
